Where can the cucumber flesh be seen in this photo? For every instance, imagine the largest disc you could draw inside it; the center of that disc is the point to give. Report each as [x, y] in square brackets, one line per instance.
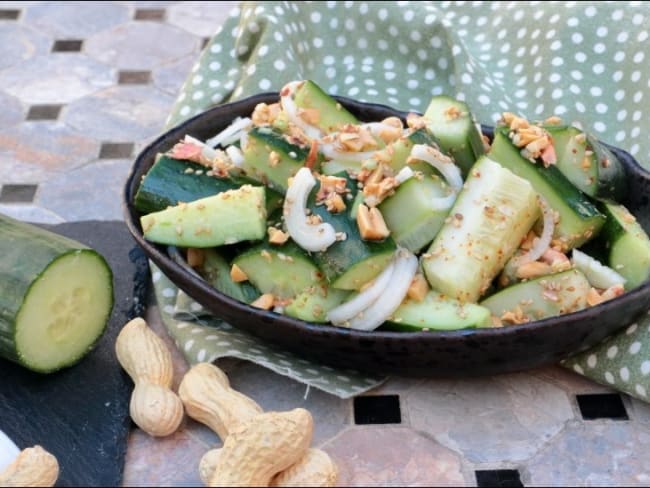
[628, 243]
[437, 312]
[331, 114]
[492, 214]
[453, 126]
[597, 274]
[56, 296]
[313, 304]
[226, 218]
[410, 214]
[580, 219]
[540, 298]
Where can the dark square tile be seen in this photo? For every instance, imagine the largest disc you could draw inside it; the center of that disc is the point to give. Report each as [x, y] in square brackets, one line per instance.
[67, 46]
[378, 409]
[17, 193]
[602, 406]
[44, 112]
[116, 150]
[204, 42]
[133, 77]
[155, 14]
[498, 477]
[9, 14]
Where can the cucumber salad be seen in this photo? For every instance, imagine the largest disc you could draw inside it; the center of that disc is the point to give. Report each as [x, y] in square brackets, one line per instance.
[410, 225]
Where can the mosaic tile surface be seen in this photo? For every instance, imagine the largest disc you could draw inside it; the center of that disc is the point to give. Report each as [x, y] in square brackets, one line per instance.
[528, 422]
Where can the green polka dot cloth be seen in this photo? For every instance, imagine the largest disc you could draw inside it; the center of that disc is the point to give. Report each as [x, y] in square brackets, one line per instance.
[583, 61]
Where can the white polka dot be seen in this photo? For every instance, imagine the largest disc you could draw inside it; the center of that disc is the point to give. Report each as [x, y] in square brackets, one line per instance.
[600, 126]
[599, 48]
[632, 329]
[330, 72]
[580, 57]
[264, 84]
[590, 11]
[263, 50]
[279, 65]
[315, 17]
[484, 99]
[640, 390]
[620, 136]
[645, 368]
[609, 377]
[188, 345]
[412, 84]
[572, 22]
[622, 37]
[578, 369]
[576, 38]
[635, 347]
[156, 276]
[201, 355]
[619, 95]
[617, 15]
[415, 102]
[625, 373]
[612, 352]
[601, 108]
[217, 98]
[592, 361]
[596, 91]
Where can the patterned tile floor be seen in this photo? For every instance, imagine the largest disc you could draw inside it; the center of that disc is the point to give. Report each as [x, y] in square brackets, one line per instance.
[83, 86]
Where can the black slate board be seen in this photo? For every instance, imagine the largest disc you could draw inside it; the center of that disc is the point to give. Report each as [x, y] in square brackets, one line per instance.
[81, 414]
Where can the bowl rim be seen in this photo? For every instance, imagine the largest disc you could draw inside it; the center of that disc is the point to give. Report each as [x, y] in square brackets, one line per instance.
[159, 254]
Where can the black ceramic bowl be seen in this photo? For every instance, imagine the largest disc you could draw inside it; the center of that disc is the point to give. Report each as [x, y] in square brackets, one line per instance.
[455, 353]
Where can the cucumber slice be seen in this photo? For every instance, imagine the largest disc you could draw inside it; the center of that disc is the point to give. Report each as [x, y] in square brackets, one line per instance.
[598, 173]
[543, 297]
[580, 219]
[597, 274]
[350, 263]
[56, 296]
[453, 126]
[216, 271]
[284, 271]
[628, 243]
[331, 114]
[399, 151]
[437, 312]
[313, 304]
[226, 218]
[271, 159]
[493, 213]
[409, 213]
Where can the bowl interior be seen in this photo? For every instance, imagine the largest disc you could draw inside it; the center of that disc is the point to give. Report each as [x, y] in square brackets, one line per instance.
[449, 353]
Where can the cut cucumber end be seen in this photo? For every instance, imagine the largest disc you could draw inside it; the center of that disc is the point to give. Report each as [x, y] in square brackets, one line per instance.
[363, 272]
[77, 291]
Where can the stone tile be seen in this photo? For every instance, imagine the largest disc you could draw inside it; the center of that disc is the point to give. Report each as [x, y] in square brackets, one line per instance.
[593, 454]
[502, 418]
[33, 152]
[279, 393]
[120, 113]
[133, 77]
[17, 193]
[171, 76]
[30, 213]
[57, 78]
[9, 14]
[150, 14]
[638, 411]
[141, 45]
[12, 111]
[116, 150]
[44, 112]
[93, 192]
[67, 46]
[166, 461]
[19, 44]
[393, 456]
[75, 19]
[199, 18]
[569, 381]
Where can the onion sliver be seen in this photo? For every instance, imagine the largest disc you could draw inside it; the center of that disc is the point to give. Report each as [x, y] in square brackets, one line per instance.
[206, 151]
[598, 275]
[348, 310]
[311, 237]
[406, 265]
[330, 152]
[231, 133]
[444, 164]
[544, 242]
[235, 154]
[404, 174]
[290, 108]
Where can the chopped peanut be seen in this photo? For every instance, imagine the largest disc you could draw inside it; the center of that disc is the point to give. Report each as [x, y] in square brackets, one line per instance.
[334, 203]
[533, 269]
[309, 115]
[371, 224]
[237, 274]
[419, 288]
[195, 257]
[264, 302]
[276, 236]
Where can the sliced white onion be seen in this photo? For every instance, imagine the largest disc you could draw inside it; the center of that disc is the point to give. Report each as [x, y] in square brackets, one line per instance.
[235, 155]
[404, 174]
[290, 108]
[310, 237]
[447, 168]
[231, 133]
[598, 275]
[544, 242]
[406, 265]
[348, 310]
[206, 151]
[330, 152]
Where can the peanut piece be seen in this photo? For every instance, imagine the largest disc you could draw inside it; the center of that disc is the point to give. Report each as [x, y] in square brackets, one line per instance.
[154, 407]
[419, 288]
[257, 450]
[209, 399]
[34, 466]
[265, 302]
[316, 468]
[195, 257]
[371, 223]
[237, 274]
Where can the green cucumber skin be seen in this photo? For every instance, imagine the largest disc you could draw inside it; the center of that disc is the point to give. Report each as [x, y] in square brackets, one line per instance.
[216, 271]
[261, 142]
[611, 173]
[333, 115]
[580, 219]
[27, 252]
[339, 259]
[313, 304]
